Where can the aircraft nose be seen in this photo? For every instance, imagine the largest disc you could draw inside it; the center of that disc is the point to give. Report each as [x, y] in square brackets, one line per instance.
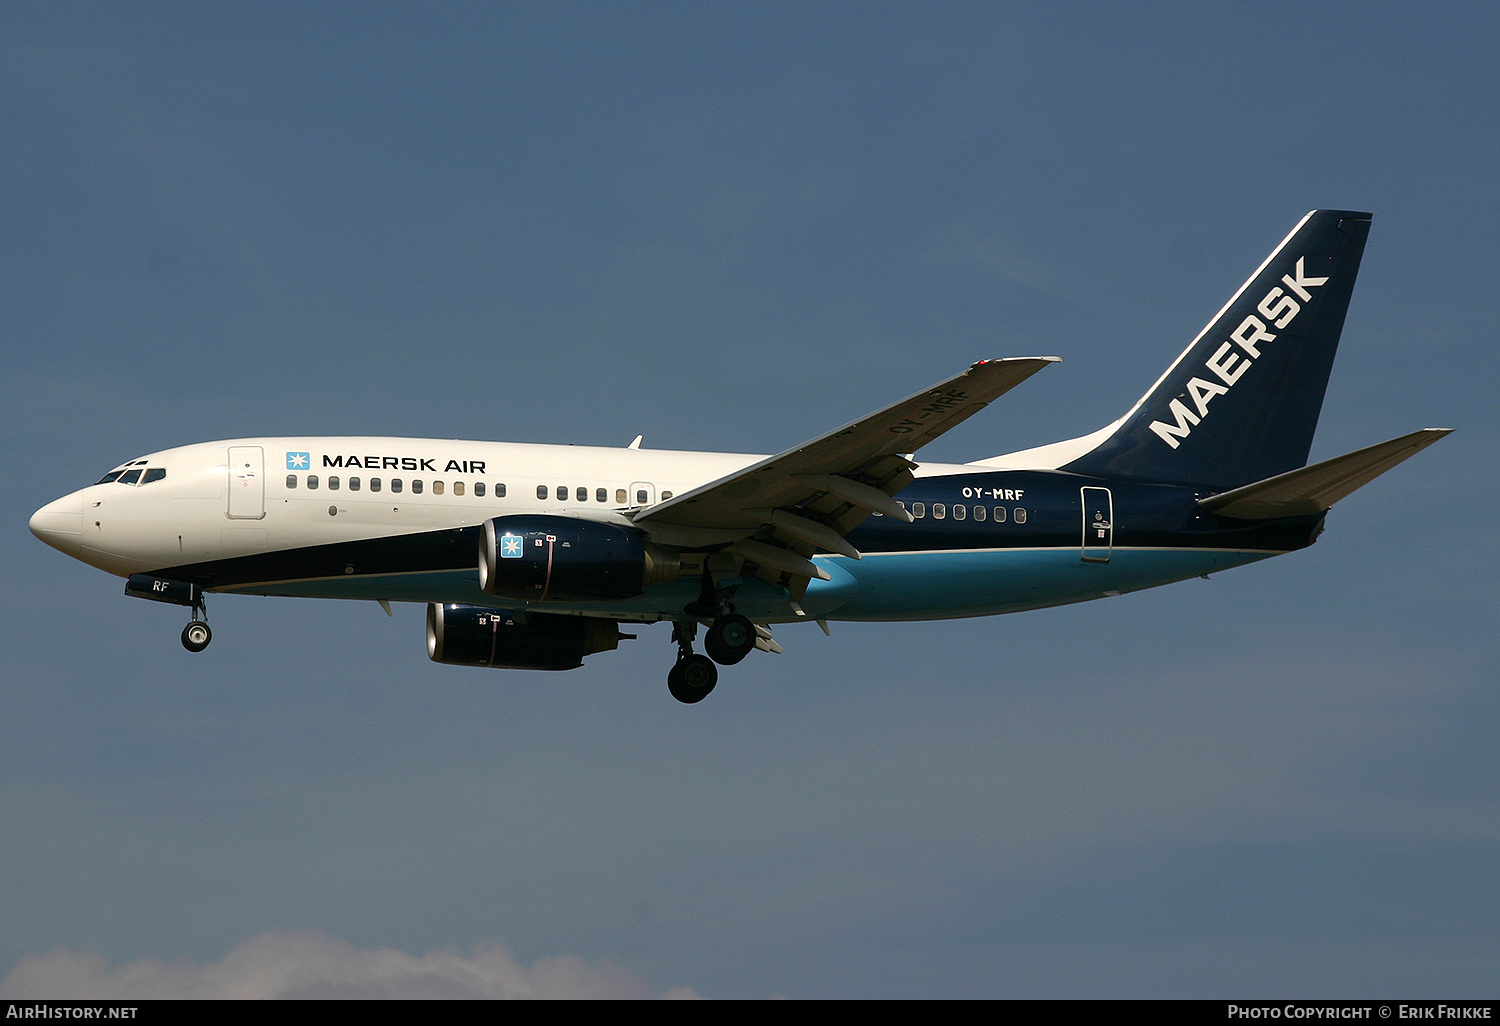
[60, 523]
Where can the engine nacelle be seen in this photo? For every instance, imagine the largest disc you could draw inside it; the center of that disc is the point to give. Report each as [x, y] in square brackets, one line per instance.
[541, 558]
[479, 636]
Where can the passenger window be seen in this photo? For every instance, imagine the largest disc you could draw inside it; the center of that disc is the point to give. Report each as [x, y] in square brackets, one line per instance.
[562, 493]
[437, 488]
[354, 484]
[374, 484]
[960, 512]
[999, 514]
[980, 512]
[939, 511]
[1020, 515]
[416, 487]
[333, 483]
[458, 487]
[665, 496]
[312, 481]
[581, 494]
[291, 480]
[601, 494]
[541, 491]
[479, 489]
[919, 510]
[154, 474]
[620, 496]
[499, 490]
[396, 484]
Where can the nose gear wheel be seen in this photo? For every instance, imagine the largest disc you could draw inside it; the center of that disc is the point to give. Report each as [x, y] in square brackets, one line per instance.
[196, 636]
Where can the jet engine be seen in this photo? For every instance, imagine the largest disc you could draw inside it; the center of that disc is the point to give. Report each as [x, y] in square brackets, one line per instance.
[479, 636]
[541, 558]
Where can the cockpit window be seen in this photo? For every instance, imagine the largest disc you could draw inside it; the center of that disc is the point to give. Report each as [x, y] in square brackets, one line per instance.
[134, 474]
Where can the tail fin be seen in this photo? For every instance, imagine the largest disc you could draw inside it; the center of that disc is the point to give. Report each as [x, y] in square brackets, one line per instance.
[1242, 402]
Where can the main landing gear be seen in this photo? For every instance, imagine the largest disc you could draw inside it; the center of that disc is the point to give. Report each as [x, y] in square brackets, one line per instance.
[693, 676]
[729, 638]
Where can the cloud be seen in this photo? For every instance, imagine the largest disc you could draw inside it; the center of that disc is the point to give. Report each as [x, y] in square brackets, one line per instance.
[281, 964]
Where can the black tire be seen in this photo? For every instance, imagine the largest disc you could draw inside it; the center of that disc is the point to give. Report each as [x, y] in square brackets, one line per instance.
[692, 679]
[196, 636]
[730, 639]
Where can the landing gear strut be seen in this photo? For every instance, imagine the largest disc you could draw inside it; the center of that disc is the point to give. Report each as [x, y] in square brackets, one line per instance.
[693, 676]
[196, 635]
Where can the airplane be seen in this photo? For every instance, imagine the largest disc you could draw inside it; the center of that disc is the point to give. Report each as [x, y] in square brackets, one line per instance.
[532, 556]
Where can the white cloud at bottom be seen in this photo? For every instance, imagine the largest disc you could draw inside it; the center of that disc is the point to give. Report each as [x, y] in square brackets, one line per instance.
[280, 964]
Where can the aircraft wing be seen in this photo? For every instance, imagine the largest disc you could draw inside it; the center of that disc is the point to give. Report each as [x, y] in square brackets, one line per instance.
[804, 500]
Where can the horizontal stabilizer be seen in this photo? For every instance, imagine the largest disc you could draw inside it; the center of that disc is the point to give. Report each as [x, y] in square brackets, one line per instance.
[1314, 489]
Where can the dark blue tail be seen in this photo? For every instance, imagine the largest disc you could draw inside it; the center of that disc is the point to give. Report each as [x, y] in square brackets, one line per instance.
[1242, 402]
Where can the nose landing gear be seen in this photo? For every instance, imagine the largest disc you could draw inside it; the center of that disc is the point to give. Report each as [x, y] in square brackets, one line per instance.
[196, 635]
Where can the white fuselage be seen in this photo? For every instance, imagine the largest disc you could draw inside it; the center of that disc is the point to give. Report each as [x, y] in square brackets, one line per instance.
[208, 505]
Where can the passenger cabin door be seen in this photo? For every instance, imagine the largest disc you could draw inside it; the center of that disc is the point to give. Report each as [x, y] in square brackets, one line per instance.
[247, 483]
[1098, 525]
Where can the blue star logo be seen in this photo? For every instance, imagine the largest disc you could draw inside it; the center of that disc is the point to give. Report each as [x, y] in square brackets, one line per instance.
[510, 546]
[298, 460]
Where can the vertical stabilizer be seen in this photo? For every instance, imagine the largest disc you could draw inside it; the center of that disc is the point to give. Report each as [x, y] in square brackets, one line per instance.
[1242, 402]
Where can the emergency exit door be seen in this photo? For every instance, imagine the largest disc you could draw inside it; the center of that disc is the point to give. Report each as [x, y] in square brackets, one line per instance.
[1098, 525]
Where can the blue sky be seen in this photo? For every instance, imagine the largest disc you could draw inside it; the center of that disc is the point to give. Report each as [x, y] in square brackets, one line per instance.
[733, 227]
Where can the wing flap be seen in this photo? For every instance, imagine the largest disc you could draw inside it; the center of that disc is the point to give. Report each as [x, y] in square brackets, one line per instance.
[776, 515]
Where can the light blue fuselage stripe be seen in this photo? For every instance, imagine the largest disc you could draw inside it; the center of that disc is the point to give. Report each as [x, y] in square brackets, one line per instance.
[952, 583]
